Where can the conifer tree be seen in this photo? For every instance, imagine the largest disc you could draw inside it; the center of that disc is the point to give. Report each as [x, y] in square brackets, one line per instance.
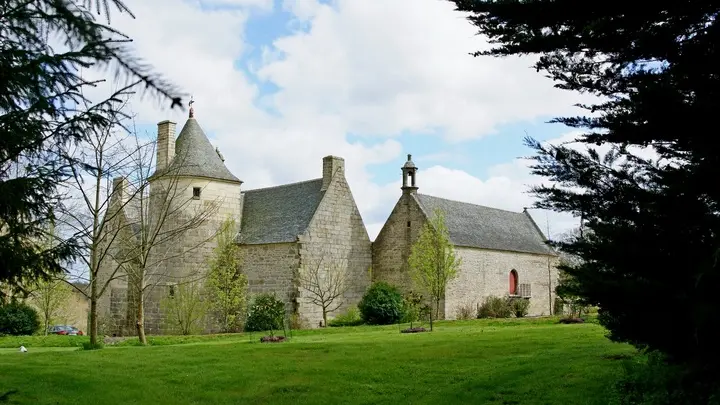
[650, 256]
[43, 111]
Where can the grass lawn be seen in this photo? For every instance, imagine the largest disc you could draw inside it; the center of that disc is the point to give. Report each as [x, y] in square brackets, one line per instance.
[463, 362]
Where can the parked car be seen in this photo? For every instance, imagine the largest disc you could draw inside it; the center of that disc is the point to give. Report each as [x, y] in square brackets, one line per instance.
[65, 330]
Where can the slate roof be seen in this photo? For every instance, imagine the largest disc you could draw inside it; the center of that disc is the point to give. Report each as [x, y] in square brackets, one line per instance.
[489, 228]
[196, 157]
[279, 214]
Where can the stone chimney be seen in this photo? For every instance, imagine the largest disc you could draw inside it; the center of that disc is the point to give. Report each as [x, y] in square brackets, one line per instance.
[165, 144]
[119, 193]
[332, 165]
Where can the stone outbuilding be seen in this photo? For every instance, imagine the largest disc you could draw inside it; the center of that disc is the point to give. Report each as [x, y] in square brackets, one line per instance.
[502, 253]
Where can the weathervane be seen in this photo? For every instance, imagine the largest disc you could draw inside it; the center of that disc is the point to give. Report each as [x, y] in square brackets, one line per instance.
[192, 111]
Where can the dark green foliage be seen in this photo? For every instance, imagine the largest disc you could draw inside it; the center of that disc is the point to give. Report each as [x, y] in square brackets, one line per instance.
[519, 307]
[651, 380]
[265, 314]
[495, 307]
[351, 317]
[43, 113]
[649, 232]
[382, 304]
[92, 346]
[18, 319]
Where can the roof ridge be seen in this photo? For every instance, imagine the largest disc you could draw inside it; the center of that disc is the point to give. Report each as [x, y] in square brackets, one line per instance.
[281, 185]
[469, 203]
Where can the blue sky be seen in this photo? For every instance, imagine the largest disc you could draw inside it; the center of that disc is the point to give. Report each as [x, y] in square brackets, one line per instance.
[280, 84]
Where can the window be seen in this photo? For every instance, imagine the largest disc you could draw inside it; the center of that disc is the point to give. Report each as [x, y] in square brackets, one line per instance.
[196, 193]
[513, 282]
[408, 224]
[172, 291]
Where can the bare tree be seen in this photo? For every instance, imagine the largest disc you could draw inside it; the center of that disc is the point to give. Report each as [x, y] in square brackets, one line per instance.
[325, 282]
[130, 228]
[167, 213]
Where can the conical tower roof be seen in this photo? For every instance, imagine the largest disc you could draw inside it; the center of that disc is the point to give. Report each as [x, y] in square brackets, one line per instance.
[196, 157]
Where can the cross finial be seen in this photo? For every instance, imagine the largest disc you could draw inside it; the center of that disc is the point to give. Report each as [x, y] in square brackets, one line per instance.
[192, 110]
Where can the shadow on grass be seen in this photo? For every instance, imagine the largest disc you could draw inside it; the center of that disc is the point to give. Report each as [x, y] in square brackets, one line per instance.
[5, 397]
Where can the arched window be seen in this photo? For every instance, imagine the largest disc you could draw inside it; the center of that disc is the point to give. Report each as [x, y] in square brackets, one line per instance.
[513, 282]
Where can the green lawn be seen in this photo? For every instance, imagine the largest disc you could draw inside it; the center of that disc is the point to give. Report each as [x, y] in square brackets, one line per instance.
[465, 362]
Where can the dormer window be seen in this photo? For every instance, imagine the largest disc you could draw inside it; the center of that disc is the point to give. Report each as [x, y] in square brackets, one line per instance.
[196, 193]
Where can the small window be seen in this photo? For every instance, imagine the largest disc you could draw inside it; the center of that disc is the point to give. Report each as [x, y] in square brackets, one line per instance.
[196, 193]
[408, 224]
[172, 291]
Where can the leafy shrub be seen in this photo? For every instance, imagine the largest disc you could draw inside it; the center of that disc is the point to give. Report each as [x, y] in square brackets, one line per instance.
[465, 312]
[18, 319]
[653, 381]
[495, 307]
[520, 307]
[266, 313]
[412, 307]
[351, 317]
[96, 346]
[382, 304]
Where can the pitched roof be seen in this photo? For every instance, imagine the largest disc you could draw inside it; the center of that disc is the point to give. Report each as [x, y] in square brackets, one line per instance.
[279, 214]
[474, 225]
[196, 157]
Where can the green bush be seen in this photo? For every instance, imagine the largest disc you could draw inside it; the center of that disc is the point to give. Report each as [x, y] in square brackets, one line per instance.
[266, 313]
[96, 346]
[520, 307]
[18, 319]
[495, 307]
[351, 317]
[382, 304]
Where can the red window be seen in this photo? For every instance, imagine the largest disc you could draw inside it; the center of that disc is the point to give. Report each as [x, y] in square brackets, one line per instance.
[513, 282]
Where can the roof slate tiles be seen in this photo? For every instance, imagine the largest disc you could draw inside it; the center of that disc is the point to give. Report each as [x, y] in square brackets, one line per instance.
[279, 214]
[478, 226]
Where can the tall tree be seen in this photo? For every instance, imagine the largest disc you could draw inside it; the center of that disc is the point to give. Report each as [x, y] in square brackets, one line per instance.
[42, 111]
[127, 228]
[226, 285]
[654, 222]
[433, 263]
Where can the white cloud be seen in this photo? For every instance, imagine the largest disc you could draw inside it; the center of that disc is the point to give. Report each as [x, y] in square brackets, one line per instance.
[373, 68]
[391, 66]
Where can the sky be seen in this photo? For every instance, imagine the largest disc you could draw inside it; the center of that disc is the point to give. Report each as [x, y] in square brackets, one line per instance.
[280, 84]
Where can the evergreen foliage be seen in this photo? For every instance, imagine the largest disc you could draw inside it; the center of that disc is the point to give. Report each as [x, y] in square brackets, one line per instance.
[44, 47]
[18, 319]
[382, 304]
[650, 227]
[266, 314]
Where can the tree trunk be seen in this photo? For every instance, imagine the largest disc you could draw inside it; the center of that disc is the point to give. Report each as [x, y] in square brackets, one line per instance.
[140, 325]
[324, 318]
[93, 313]
[437, 308]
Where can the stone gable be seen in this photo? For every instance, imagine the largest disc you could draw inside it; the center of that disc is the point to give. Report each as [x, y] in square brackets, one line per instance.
[336, 235]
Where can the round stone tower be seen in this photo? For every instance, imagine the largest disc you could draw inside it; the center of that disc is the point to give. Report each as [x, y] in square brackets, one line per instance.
[192, 193]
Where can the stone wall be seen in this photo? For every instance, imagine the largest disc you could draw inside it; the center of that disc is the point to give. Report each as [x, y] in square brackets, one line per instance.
[391, 248]
[336, 241]
[486, 273]
[271, 268]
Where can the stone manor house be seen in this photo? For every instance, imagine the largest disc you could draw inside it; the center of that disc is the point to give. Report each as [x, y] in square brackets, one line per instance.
[285, 229]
